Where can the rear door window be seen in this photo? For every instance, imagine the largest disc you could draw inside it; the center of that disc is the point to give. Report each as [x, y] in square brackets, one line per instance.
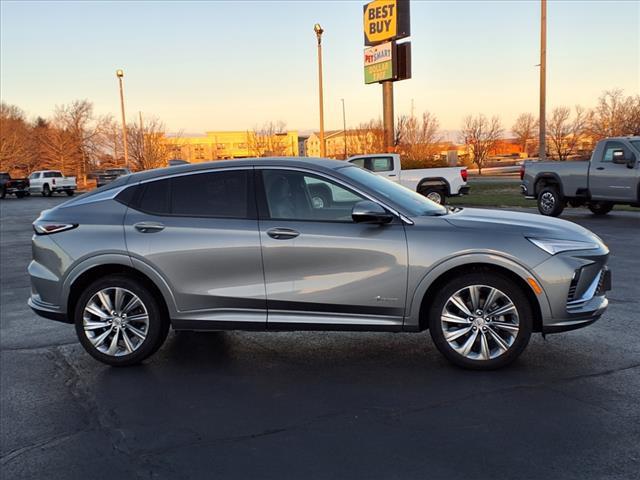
[214, 194]
[224, 194]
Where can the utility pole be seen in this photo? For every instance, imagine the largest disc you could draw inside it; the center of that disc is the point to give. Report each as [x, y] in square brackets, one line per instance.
[344, 128]
[141, 134]
[120, 74]
[543, 82]
[318, 29]
[387, 113]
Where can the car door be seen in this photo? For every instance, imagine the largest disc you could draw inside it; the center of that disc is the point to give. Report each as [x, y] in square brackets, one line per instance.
[322, 269]
[199, 231]
[613, 181]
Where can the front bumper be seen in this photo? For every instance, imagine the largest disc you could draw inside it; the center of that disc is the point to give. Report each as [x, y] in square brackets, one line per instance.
[575, 284]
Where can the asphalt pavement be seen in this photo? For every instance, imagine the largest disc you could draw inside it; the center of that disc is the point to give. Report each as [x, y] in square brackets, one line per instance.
[319, 405]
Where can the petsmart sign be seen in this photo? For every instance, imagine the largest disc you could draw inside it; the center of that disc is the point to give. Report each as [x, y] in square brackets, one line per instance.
[379, 63]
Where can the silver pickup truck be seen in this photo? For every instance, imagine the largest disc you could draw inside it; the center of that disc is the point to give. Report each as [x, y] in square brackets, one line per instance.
[611, 177]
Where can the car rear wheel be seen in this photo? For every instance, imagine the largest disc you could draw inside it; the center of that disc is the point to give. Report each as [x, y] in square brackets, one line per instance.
[481, 321]
[3, 193]
[20, 194]
[600, 208]
[550, 202]
[46, 191]
[119, 322]
[70, 193]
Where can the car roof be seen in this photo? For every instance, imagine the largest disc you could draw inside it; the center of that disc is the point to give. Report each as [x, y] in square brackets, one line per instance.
[320, 164]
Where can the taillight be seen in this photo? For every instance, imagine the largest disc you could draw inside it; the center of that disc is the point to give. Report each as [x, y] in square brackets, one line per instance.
[463, 174]
[47, 228]
[521, 172]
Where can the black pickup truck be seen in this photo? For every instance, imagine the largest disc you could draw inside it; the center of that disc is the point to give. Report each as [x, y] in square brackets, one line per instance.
[16, 186]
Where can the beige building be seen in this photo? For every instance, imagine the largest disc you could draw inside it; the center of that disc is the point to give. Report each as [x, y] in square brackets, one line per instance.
[232, 144]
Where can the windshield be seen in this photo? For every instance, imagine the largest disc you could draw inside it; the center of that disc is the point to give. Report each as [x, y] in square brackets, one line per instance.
[410, 201]
[117, 171]
[636, 143]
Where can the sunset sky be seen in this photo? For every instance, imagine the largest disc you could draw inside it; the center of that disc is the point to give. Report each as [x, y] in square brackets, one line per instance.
[224, 66]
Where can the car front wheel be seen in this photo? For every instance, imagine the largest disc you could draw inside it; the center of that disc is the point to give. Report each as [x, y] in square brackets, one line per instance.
[119, 321]
[481, 321]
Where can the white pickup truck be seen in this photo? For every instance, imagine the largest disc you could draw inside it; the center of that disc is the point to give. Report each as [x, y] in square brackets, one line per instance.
[47, 182]
[434, 183]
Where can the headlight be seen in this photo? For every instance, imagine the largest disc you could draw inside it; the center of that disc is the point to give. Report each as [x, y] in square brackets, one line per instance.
[554, 245]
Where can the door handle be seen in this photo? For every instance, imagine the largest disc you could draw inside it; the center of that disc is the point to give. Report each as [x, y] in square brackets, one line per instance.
[392, 174]
[148, 227]
[282, 233]
[599, 168]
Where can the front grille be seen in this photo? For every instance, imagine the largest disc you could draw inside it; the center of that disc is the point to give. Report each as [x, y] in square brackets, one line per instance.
[595, 288]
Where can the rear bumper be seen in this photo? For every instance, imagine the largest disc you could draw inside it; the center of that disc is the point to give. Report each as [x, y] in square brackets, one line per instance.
[464, 190]
[47, 311]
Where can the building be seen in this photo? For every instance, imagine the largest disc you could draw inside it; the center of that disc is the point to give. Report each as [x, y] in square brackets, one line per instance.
[302, 145]
[221, 145]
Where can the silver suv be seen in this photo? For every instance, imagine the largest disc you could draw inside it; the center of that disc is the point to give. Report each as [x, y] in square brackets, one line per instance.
[292, 244]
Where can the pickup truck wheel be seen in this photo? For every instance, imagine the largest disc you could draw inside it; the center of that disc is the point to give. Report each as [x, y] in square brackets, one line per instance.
[434, 194]
[481, 320]
[550, 202]
[70, 193]
[46, 191]
[600, 208]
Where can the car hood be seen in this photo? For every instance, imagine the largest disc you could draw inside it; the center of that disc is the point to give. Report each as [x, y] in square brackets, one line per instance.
[527, 224]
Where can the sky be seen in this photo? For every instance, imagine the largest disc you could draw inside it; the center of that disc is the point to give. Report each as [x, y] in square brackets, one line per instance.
[217, 65]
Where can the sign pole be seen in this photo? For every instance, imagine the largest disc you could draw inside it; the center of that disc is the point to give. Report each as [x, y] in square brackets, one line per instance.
[542, 122]
[387, 113]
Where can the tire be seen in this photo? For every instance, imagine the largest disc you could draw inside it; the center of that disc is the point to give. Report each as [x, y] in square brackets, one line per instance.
[550, 202]
[20, 194]
[144, 337]
[321, 197]
[436, 195]
[70, 193]
[504, 343]
[600, 208]
[46, 191]
[3, 193]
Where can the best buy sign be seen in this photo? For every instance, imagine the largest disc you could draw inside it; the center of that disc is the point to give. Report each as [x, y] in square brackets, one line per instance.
[385, 20]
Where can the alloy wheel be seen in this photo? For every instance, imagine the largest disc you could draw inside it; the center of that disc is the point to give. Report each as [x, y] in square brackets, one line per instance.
[115, 321]
[547, 201]
[480, 322]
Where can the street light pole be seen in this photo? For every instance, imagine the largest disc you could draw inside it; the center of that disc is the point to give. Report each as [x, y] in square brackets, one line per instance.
[120, 74]
[344, 128]
[318, 29]
[542, 127]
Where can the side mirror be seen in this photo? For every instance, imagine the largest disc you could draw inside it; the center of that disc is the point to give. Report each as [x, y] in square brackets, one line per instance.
[370, 212]
[618, 156]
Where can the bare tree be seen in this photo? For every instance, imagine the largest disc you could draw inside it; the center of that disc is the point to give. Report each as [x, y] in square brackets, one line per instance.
[565, 132]
[14, 138]
[525, 129]
[77, 138]
[417, 140]
[480, 135]
[614, 115]
[269, 141]
[148, 146]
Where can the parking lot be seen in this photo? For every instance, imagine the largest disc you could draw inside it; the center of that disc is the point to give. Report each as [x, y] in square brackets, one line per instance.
[319, 405]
